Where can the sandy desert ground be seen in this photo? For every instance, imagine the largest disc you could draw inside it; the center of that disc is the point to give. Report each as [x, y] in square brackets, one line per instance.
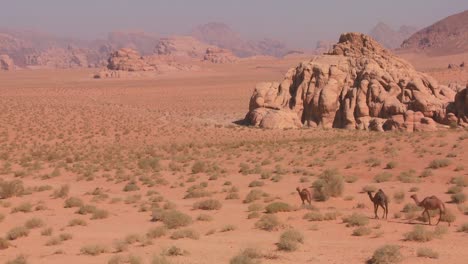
[93, 162]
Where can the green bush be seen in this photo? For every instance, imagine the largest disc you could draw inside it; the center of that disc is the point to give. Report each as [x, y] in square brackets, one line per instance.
[356, 219]
[268, 223]
[172, 218]
[278, 207]
[290, 240]
[388, 254]
[157, 232]
[427, 253]
[329, 184]
[209, 204]
[254, 195]
[419, 234]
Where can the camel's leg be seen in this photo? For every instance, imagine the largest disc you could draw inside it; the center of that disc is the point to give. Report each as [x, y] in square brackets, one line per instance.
[375, 211]
[383, 215]
[440, 216]
[428, 216]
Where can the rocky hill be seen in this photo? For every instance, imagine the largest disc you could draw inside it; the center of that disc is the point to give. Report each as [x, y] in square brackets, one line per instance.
[390, 38]
[221, 35]
[182, 47]
[357, 85]
[447, 36]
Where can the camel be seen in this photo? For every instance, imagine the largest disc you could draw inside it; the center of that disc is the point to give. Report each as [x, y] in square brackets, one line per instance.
[379, 199]
[305, 195]
[430, 203]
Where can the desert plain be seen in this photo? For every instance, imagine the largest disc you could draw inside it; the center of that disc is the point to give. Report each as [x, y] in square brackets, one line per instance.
[162, 170]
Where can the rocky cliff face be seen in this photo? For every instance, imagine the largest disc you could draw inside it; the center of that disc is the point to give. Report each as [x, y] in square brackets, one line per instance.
[358, 85]
[219, 56]
[6, 63]
[390, 38]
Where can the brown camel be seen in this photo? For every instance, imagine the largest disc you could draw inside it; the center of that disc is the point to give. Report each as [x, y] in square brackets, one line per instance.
[379, 199]
[430, 203]
[305, 195]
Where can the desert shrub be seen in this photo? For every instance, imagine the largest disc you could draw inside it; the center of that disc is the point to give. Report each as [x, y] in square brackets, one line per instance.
[268, 223]
[351, 178]
[100, 214]
[388, 254]
[426, 173]
[204, 217]
[278, 207]
[131, 187]
[232, 196]
[197, 192]
[209, 204]
[185, 233]
[256, 183]
[329, 184]
[439, 231]
[11, 188]
[255, 207]
[408, 177]
[20, 259]
[247, 256]
[439, 163]
[73, 202]
[399, 196]
[24, 207]
[149, 164]
[254, 195]
[17, 232]
[391, 165]
[448, 216]
[77, 222]
[62, 192]
[458, 198]
[160, 260]
[47, 231]
[314, 216]
[93, 249]
[172, 218]
[290, 240]
[461, 181]
[373, 162]
[253, 215]
[454, 189]
[362, 231]
[174, 251]
[228, 228]
[383, 177]
[427, 253]
[356, 219]
[198, 167]
[2, 217]
[157, 232]
[34, 223]
[369, 188]
[4, 244]
[463, 228]
[419, 234]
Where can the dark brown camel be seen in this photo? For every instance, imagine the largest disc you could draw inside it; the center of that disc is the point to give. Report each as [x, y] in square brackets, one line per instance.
[379, 199]
[305, 195]
[430, 203]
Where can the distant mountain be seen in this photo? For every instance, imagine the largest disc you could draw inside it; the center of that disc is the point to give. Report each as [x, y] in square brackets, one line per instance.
[221, 35]
[447, 36]
[389, 37]
[143, 42]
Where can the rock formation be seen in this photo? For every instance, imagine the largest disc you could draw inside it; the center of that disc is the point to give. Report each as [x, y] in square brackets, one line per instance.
[181, 47]
[357, 85]
[127, 59]
[221, 35]
[447, 36]
[461, 106]
[6, 63]
[217, 55]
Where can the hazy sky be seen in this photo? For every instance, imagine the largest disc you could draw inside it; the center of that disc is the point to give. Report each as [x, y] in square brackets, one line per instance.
[299, 23]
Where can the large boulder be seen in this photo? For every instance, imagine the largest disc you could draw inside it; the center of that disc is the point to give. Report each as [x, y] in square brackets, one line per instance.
[357, 85]
[461, 106]
[6, 63]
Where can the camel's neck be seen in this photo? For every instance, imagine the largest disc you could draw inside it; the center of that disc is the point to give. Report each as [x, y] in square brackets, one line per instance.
[370, 196]
[416, 200]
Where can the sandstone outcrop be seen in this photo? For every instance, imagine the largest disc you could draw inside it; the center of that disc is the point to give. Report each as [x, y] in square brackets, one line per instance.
[181, 47]
[127, 59]
[461, 106]
[218, 55]
[357, 85]
[6, 63]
